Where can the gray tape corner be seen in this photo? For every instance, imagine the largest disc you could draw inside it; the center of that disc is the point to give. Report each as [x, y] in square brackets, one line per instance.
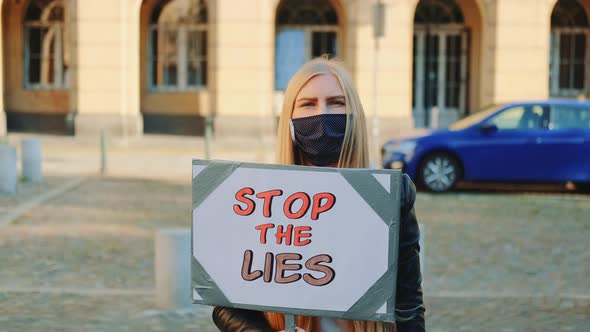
[202, 283]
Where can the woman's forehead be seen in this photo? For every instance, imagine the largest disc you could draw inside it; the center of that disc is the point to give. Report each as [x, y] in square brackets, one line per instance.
[321, 85]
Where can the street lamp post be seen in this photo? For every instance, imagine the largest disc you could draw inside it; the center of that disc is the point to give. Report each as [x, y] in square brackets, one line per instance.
[208, 134]
[378, 32]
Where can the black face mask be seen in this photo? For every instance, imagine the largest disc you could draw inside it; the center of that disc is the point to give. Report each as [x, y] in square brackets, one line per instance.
[319, 137]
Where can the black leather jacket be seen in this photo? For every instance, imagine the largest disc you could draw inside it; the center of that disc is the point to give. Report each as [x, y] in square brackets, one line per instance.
[409, 304]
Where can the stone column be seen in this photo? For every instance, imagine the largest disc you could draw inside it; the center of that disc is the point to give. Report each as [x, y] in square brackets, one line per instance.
[105, 93]
[242, 56]
[394, 63]
[518, 50]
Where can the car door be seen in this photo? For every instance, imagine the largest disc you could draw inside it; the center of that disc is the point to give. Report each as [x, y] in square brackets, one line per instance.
[507, 150]
[566, 145]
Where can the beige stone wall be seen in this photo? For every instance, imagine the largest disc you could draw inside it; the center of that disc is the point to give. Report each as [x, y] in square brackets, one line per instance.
[391, 94]
[104, 89]
[519, 50]
[98, 48]
[243, 60]
[508, 60]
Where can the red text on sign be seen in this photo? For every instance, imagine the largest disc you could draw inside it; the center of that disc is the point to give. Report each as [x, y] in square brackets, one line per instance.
[320, 203]
[298, 236]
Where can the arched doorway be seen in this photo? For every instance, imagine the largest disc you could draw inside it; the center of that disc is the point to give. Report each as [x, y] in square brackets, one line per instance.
[569, 50]
[174, 66]
[440, 61]
[37, 66]
[305, 29]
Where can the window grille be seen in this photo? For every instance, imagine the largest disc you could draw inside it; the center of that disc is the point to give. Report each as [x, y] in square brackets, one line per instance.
[178, 45]
[438, 12]
[306, 29]
[569, 49]
[46, 55]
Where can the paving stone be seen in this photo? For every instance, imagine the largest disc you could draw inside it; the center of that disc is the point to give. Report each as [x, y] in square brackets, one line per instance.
[508, 261]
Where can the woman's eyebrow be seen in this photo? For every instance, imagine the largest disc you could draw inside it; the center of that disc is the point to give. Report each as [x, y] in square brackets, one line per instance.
[307, 99]
[315, 98]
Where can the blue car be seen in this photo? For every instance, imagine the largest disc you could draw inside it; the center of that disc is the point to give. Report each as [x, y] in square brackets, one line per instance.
[525, 142]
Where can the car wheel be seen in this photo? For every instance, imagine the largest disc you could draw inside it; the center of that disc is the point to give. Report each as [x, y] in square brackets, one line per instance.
[583, 187]
[439, 172]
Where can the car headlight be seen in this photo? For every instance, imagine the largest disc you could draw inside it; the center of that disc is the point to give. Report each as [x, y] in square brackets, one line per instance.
[407, 147]
[404, 147]
[389, 148]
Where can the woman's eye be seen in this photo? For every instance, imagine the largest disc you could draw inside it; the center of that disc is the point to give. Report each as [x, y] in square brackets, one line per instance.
[306, 104]
[339, 103]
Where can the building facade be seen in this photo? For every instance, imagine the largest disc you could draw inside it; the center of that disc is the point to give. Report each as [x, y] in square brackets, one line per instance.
[164, 66]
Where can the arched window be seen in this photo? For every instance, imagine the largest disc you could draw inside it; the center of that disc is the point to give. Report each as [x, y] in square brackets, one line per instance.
[178, 45]
[440, 54]
[569, 49]
[45, 51]
[306, 12]
[438, 12]
[568, 14]
[305, 29]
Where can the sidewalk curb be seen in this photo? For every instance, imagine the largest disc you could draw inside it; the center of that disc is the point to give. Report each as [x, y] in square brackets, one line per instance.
[21, 209]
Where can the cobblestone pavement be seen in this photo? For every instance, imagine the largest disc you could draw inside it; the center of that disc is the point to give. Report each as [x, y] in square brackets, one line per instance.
[84, 261]
[514, 315]
[523, 243]
[27, 190]
[64, 312]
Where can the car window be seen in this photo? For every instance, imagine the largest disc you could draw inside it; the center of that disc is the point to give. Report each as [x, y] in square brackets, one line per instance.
[519, 117]
[473, 118]
[532, 117]
[508, 119]
[569, 117]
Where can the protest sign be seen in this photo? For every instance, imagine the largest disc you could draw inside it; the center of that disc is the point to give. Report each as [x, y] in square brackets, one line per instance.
[313, 241]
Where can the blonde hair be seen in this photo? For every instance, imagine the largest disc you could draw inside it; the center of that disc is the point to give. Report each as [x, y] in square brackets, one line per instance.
[354, 154]
[312, 324]
[355, 150]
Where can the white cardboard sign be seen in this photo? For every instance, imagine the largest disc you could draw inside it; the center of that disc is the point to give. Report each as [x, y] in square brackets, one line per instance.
[299, 240]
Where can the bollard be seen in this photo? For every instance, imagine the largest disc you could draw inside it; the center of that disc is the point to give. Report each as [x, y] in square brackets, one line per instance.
[103, 151]
[173, 268]
[8, 169]
[31, 160]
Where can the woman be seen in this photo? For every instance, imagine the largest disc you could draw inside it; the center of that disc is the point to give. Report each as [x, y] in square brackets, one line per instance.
[322, 124]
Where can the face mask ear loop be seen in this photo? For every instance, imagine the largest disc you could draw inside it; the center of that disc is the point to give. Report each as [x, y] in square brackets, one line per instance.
[292, 131]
